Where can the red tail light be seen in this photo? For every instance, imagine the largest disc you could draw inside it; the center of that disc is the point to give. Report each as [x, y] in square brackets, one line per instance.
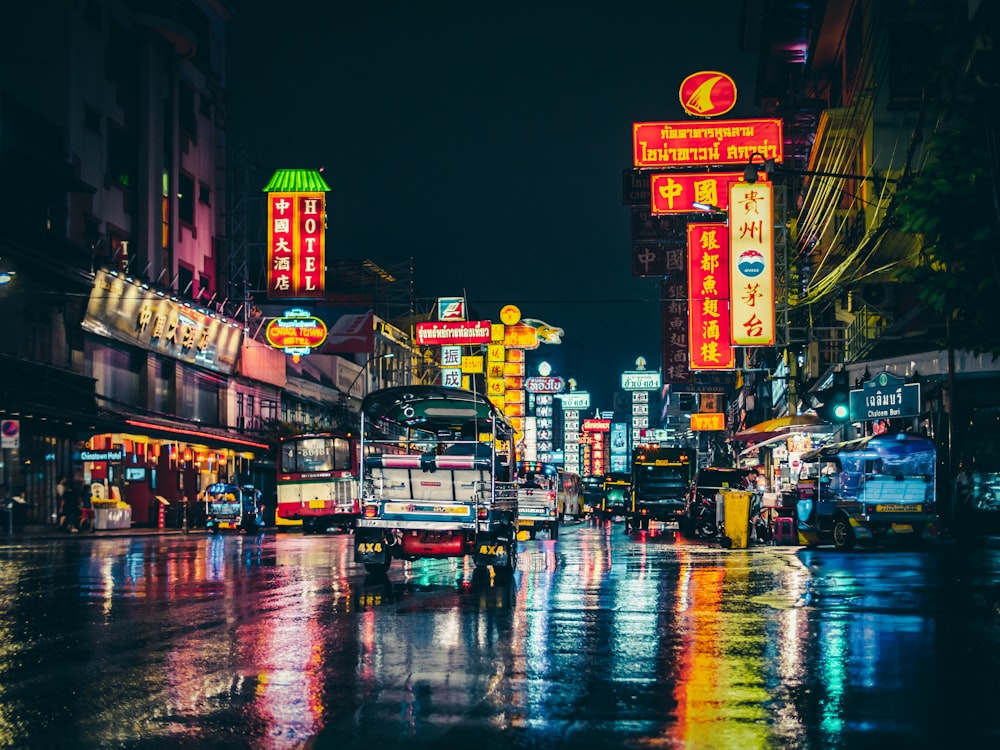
[483, 514]
[371, 511]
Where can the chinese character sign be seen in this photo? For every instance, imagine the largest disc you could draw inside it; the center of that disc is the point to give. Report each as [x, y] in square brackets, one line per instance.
[708, 286]
[751, 272]
[296, 249]
[677, 193]
[674, 328]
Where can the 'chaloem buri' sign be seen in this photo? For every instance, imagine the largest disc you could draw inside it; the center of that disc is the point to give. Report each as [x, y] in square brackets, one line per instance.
[693, 144]
[885, 396]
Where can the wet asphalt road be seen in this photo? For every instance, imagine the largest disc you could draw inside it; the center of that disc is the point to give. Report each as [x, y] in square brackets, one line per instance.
[280, 641]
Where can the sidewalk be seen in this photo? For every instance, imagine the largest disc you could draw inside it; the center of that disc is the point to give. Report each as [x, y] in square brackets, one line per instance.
[51, 531]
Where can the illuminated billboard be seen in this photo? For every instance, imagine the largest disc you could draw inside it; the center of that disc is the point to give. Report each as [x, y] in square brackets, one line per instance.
[296, 234]
[692, 144]
[751, 270]
[708, 286]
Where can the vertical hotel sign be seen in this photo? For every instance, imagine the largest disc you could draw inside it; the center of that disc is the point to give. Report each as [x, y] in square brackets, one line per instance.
[708, 285]
[751, 273]
[296, 234]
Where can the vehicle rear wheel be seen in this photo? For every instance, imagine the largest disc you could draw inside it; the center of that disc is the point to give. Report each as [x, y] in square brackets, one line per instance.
[705, 528]
[554, 531]
[843, 535]
[531, 534]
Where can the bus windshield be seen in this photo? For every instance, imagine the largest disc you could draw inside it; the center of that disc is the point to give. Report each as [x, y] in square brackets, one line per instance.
[307, 455]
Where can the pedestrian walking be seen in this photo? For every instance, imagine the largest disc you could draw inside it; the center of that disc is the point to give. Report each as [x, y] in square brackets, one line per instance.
[70, 510]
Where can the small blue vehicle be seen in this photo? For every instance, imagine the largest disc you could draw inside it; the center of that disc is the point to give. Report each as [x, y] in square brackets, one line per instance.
[229, 507]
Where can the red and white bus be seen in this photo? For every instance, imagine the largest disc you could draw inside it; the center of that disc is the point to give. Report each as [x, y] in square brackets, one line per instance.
[318, 481]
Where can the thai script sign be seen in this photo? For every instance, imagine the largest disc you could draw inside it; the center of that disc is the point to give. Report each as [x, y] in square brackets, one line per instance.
[885, 396]
[551, 384]
[751, 270]
[640, 380]
[458, 332]
[708, 285]
[692, 144]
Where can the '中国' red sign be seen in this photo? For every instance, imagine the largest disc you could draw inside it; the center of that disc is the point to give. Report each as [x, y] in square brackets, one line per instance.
[677, 193]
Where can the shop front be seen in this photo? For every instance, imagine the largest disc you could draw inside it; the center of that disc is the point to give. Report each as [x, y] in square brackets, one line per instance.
[157, 471]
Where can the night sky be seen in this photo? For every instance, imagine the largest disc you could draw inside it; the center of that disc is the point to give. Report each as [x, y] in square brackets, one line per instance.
[487, 146]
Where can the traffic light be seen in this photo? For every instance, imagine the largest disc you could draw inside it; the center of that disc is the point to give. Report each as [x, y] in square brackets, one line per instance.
[836, 400]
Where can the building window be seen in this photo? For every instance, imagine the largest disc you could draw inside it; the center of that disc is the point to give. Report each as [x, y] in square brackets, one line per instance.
[240, 415]
[122, 163]
[268, 411]
[204, 194]
[187, 117]
[185, 198]
[91, 119]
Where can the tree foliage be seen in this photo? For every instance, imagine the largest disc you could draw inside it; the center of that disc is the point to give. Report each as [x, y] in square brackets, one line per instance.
[953, 206]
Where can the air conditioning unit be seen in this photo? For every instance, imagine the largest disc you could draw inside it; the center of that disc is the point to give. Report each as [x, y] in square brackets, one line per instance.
[878, 295]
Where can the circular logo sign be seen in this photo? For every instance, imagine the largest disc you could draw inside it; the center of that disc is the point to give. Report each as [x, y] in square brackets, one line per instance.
[708, 93]
[750, 263]
[510, 315]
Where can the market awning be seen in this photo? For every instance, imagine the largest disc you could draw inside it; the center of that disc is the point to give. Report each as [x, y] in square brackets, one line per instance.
[781, 427]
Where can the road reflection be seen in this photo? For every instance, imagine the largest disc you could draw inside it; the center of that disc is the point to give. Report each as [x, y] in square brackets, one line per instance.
[600, 639]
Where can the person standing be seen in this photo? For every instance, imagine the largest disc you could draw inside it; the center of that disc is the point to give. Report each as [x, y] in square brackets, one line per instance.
[69, 513]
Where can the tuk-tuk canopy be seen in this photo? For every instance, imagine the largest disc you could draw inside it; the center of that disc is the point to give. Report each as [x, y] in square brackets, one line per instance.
[900, 454]
[876, 446]
[433, 409]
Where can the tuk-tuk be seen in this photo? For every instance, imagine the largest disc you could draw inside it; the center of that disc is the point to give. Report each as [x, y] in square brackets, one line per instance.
[231, 507]
[866, 490]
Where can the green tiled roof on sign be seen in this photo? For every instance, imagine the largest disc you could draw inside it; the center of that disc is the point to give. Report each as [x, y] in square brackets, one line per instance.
[297, 181]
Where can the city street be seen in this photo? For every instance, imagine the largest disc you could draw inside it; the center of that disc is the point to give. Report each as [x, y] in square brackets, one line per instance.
[601, 640]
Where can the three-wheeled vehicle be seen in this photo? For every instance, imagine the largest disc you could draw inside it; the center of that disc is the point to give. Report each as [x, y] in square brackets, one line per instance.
[231, 507]
[867, 490]
[438, 480]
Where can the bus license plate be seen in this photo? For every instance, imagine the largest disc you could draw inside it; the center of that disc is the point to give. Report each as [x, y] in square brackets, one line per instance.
[317, 503]
[898, 508]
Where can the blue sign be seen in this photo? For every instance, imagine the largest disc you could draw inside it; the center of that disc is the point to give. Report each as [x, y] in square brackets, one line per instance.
[885, 396]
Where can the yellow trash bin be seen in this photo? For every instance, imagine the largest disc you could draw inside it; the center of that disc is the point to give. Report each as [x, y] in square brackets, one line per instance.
[736, 514]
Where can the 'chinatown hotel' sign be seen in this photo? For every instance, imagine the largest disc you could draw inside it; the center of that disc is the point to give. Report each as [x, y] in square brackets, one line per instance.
[296, 234]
